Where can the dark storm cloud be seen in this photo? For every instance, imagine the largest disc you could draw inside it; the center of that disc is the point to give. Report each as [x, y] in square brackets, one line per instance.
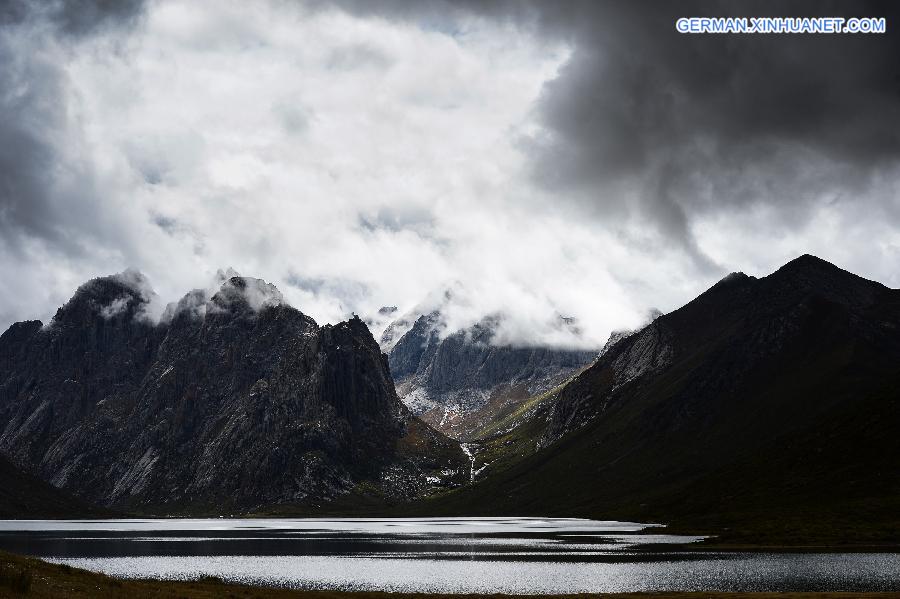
[644, 121]
[81, 17]
[47, 189]
[72, 17]
[33, 172]
[693, 123]
[443, 15]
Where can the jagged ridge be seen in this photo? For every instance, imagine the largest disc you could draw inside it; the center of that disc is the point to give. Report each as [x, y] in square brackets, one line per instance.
[459, 381]
[233, 401]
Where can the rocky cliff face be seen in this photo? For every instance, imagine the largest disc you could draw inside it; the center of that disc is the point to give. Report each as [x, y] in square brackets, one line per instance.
[461, 381]
[233, 401]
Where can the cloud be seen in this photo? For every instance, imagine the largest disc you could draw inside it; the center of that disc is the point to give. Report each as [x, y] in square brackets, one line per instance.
[227, 290]
[541, 159]
[72, 18]
[645, 128]
[52, 209]
[675, 129]
[115, 308]
[257, 294]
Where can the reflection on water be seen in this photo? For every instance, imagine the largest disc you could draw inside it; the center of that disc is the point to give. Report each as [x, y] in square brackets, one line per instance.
[453, 555]
[749, 573]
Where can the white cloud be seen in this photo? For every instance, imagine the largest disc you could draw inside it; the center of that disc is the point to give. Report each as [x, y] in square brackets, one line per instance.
[354, 162]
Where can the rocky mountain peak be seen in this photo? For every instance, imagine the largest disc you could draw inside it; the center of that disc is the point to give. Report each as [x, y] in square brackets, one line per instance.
[808, 275]
[236, 295]
[122, 295]
[808, 262]
[242, 294]
[812, 271]
[231, 399]
[452, 377]
[732, 278]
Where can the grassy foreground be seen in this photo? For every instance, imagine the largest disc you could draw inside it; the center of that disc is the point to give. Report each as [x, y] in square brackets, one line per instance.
[29, 577]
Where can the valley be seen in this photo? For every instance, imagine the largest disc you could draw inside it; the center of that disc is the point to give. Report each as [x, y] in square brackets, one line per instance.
[763, 412]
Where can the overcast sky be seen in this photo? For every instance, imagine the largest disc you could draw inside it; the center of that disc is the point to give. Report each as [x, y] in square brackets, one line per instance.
[537, 158]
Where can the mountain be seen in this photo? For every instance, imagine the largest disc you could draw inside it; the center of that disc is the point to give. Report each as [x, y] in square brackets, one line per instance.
[764, 408]
[232, 401]
[24, 496]
[461, 381]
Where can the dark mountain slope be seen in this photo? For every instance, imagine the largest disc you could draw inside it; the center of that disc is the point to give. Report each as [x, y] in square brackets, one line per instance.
[769, 405]
[24, 496]
[232, 402]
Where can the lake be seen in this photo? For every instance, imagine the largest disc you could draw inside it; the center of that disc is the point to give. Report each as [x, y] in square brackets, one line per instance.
[447, 555]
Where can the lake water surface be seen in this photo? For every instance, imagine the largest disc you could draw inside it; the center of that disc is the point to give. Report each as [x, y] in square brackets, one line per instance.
[448, 555]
